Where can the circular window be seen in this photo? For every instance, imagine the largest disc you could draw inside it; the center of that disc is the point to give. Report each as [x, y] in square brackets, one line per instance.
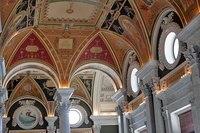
[74, 116]
[134, 80]
[169, 54]
[171, 48]
[77, 115]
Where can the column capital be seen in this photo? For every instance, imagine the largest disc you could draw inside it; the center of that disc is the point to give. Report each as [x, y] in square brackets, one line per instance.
[51, 128]
[63, 94]
[145, 88]
[154, 84]
[63, 107]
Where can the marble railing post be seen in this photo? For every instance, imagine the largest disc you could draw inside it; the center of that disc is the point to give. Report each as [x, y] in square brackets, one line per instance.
[190, 47]
[121, 98]
[51, 128]
[5, 121]
[62, 96]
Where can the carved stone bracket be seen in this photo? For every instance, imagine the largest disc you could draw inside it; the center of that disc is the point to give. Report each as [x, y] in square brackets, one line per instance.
[165, 114]
[168, 25]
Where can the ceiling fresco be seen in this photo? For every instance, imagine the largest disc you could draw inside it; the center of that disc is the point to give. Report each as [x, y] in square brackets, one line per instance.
[32, 50]
[104, 32]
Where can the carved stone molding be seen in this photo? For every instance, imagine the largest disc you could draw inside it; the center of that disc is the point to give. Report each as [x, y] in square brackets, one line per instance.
[193, 54]
[133, 62]
[167, 26]
[75, 102]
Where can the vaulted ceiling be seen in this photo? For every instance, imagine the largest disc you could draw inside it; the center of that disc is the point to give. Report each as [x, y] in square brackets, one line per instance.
[104, 32]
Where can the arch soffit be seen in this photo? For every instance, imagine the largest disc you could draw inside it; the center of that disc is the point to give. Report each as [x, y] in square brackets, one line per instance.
[107, 71]
[29, 66]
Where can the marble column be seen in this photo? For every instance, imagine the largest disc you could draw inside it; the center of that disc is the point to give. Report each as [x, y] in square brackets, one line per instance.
[3, 91]
[159, 121]
[51, 128]
[62, 96]
[5, 121]
[3, 98]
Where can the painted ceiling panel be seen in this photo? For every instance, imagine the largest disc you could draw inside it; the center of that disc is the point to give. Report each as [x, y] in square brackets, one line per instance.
[119, 46]
[32, 50]
[5, 8]
[98, 51]
[12, 43]
[149, 10]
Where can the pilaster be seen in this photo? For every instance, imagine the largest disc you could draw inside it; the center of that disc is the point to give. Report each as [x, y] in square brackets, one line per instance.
[190, 35]
[149, 70]
[121, 98]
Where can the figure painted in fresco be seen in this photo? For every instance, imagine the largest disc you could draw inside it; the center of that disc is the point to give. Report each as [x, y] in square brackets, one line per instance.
[187, 3]
[134, 34]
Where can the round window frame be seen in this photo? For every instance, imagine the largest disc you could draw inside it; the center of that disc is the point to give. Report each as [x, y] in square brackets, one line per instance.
[80, 116]
[129, 86]
[83, 115]
[172, 27]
